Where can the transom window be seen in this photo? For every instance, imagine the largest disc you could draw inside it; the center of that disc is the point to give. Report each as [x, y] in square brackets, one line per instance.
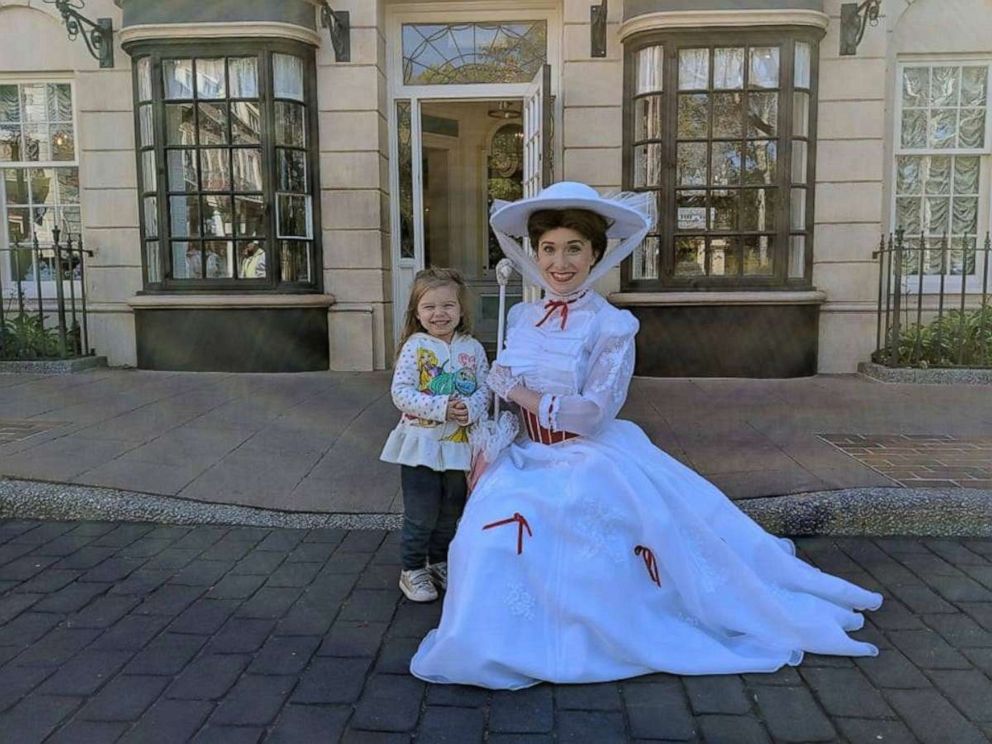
[720, 129]
[460, 53]
[226, 167]
[39, 173]
[941, 150]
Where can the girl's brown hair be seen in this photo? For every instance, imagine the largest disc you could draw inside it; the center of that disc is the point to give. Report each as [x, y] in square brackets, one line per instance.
[424, 281]
[588, 224]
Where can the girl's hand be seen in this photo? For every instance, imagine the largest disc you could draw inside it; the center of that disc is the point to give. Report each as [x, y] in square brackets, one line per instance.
[457, 412]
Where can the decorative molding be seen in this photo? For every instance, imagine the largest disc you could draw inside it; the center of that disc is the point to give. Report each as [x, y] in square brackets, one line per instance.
[808, 297]
[697, 19]
[234, 29]
[228, 302]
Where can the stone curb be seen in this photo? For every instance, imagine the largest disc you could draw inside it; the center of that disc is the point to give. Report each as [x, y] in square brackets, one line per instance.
[870, 512]
[942, 376]
[52, 366]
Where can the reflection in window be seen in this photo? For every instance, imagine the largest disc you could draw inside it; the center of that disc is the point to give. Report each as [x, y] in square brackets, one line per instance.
[446, 54]
[938, 165]
[234, 200]
[731, 178]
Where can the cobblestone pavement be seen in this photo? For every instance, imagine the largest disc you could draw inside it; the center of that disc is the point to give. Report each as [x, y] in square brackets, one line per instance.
[143, 633]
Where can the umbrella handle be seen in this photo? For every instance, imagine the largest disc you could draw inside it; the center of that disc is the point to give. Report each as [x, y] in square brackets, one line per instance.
[504, 270]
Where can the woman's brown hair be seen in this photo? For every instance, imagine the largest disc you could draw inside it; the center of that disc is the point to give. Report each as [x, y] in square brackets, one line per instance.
[423, 282]
[588, 224]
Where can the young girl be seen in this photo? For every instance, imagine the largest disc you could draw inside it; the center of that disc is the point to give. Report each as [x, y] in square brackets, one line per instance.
[439, 386]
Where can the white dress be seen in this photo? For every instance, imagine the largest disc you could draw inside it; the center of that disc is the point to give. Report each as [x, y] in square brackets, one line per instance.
[602, 557]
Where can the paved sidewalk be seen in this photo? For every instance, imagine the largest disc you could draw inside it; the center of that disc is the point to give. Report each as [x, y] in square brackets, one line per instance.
[143, 633]
[310, 442]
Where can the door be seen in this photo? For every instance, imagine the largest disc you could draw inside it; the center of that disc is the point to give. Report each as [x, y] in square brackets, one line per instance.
[538, 146]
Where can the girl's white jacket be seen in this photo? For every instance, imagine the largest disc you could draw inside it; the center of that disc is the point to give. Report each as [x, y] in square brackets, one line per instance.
[429, 372]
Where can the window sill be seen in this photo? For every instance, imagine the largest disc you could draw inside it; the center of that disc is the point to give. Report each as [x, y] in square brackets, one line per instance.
[228, 301]
[804, 297]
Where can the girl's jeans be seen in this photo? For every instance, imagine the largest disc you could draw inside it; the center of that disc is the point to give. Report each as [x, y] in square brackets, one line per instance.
[432, 503]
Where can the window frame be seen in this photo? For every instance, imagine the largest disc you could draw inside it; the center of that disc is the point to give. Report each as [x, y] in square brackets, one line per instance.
[28, 285]
[783, 37]
[262, 50]
[951, 282]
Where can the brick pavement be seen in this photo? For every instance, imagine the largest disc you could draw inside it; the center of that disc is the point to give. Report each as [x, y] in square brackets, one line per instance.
[143, 633]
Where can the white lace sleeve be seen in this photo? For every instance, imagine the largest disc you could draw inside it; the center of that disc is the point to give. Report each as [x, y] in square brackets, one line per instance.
[611, 366]
[406, 395]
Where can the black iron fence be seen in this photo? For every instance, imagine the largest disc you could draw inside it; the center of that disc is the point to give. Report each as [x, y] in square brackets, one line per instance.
[934, 305]
[43, 300]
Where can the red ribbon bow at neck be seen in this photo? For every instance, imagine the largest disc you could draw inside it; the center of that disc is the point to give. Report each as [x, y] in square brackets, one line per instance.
[555, 305]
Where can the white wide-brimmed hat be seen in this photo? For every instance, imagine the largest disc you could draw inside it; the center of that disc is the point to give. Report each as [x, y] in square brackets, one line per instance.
[630, 216]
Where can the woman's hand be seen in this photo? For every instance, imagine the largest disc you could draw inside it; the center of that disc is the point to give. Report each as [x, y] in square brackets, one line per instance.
[457, 411]
[501, 381]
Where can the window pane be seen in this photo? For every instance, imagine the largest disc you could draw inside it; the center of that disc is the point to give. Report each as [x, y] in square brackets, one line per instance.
[758, 209]
[915, 87]
[938, 175]
[146, 125]
[33, 102]
[645, 259]
[249, 216]
[144, 73]
[243, 77]
[148, 171]
[405, 168]
[246, 123]
[974, 81]
[760, 162]
[762, 118]
[211, 82]
[966, 173]
[293, 216]
[943, 127]
[691, 210]
[182, 170]
[797, 209]
[690, 256]
[63, 143]
[908, 178]
[647, 118]
[728, 68]
[691, 166]
[219, 256]
[724, 209]
[187, 263]
[797, 256]
[908, 214]
[60, 102]
[936, 214]
[68, 180]
[693, 115]
[728, 115]
[944, 86]
[291, 169]
[218, 216]
[10, 104]
[971, 128]
[724, 256]
[757, 255]
[213, 123]
[37, 146]
[247, 164]
[764, 67]
[799, 161]
[648, 77]
[151, 216]
[647, 166]
[726, 164]
[152, 259]
[294, 261]
[10, 143]
[177, 77]
[18, 224]
[252, 261]
[694, 69]
[290, 124]
[16, 185]
[184, 216]
[802, 67]
[964, 219]
[287, 76]
[179, 124]
[800, 114]
[215, 169]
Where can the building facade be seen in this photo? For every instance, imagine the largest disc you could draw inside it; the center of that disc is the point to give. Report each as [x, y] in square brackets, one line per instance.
[257, 200]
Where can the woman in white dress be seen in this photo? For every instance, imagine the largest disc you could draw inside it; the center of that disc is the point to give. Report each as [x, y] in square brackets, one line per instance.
[585, 553]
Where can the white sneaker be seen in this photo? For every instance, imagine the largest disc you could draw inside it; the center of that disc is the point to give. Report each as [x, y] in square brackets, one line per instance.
[439, 574]
[416, 585]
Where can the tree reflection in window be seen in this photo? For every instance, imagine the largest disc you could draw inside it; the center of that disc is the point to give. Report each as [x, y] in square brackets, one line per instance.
[463, 53]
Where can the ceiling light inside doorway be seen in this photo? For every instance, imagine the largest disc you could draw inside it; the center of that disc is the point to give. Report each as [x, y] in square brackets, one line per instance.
[504, 110]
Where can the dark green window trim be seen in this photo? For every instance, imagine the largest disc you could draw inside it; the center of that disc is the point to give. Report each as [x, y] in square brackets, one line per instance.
[262, 49]
[783, 37]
